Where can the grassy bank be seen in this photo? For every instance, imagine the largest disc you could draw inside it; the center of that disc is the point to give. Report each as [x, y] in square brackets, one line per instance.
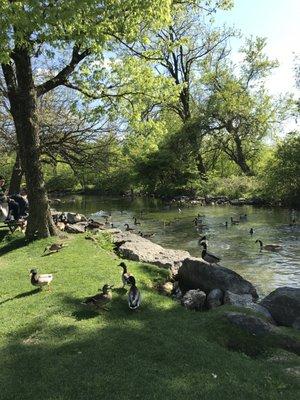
[53, 348]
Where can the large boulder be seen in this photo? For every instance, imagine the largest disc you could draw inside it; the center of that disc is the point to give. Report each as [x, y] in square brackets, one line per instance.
[246, 301]
[75, 228]
[250, 323]
[196, 273]
[73, 218]
[194, 300]
[214, 298]
[284, 305]
[136, 248]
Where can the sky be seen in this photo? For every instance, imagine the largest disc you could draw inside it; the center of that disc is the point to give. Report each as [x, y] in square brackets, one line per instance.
[279, 22]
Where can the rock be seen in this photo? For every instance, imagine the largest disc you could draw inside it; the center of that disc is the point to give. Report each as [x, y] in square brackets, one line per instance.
[75, 228]
[196, 273]
[293, 371]
[137, 248]
[284, 305]
[238, 300]
[166, 288]
[261, 310]
[249, 323]
[214, 298]
[194, 300]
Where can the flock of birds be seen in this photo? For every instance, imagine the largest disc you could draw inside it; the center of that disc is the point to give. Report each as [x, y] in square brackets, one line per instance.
[99, 300]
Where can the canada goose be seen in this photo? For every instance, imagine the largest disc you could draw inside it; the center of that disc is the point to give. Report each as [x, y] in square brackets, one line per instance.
[210, 258]
[234, 221]
[136, 221]
[125, 274]
[146, 235]
[128, 229]
[40, 280]
[134, 295]
[202, 239]
[55, 247]
[99, 300]
[251, 231]
[93, 224]
[268, 247]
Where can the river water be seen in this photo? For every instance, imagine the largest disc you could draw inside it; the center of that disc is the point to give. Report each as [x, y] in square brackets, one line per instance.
[235, 245]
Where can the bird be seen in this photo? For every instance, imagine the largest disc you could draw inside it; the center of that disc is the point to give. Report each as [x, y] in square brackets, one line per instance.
[125, 274]
[136, 221]
[146, 235]
[202, 239]
[268, 247]
[60, 225]
[251, 231]
[128, 229]
[54, 248]
[134, 295]
[40, 280]
[210, 258]
[234, 221]
[99, 300]
[243, 217]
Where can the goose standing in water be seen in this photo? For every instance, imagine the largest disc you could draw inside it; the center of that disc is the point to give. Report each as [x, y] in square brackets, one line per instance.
[210, 258]
[268, 247]
[251, 231]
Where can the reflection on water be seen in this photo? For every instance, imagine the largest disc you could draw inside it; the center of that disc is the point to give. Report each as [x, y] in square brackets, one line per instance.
[234, 245]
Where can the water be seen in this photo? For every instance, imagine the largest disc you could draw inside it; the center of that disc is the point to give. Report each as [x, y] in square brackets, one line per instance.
[236, 247]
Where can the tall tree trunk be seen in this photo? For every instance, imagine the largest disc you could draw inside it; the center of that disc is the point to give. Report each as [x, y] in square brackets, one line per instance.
[201, 167]
[16, 177]
[22, 97]
[240, 157]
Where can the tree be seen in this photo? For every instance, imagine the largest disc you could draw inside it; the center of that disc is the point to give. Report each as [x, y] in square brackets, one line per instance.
[39, 30]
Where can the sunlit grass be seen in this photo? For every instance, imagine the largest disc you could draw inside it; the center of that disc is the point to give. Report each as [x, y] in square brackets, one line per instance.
[53, 347]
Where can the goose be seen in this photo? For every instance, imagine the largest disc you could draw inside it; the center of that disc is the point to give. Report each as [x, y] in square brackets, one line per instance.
[210, 258]
[99, 300]
[136, 221]
[146, 235]
[134, 295]
[268, 247]
[93, 224]
[234, 221]
[40, 280]
[128, 229]
[251, 231]
[125, 274]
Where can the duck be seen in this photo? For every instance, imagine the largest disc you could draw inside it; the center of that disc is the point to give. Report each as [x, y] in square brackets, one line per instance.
[210, 258]
[128, 229]
[251, 231]
[99, 300]
[146, 235]
[93, 224]
[134, 295]
[60, 225]
[234, 221]
[55, 247]
[136, 221]
[268, 247]
[125, 274]
[40, 280]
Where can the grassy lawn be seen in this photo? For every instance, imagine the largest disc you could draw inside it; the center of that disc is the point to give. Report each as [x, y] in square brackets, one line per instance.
[54, 348]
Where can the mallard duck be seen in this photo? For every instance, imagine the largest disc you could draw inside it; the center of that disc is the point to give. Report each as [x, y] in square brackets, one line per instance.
[146, 235]
[125, 274]
[99, 300]
[251, 231]
[55, 247]
[40, 280]
[268, 247]
[211, 258]
[136, 221]
[134, 295]
[128, 229]
[234, 221]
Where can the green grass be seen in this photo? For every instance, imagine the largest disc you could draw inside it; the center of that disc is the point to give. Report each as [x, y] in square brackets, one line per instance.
[54, 348]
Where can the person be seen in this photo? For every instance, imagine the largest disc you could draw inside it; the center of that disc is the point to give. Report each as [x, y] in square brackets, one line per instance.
[21, 200]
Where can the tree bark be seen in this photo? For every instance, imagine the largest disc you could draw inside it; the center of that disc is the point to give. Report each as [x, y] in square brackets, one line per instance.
[201, 168]
[16, 177]
[240, 157]
[22, 97]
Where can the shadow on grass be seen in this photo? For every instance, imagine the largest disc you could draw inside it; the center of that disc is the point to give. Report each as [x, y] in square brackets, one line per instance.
[12, 245]
[3, 233]
[21, 295]
[156, 354]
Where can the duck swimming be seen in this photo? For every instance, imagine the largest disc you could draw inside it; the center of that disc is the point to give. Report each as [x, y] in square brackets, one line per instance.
[40, 280]
[209, 257]
[134, 295]
[268, 247]
[128, 229]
